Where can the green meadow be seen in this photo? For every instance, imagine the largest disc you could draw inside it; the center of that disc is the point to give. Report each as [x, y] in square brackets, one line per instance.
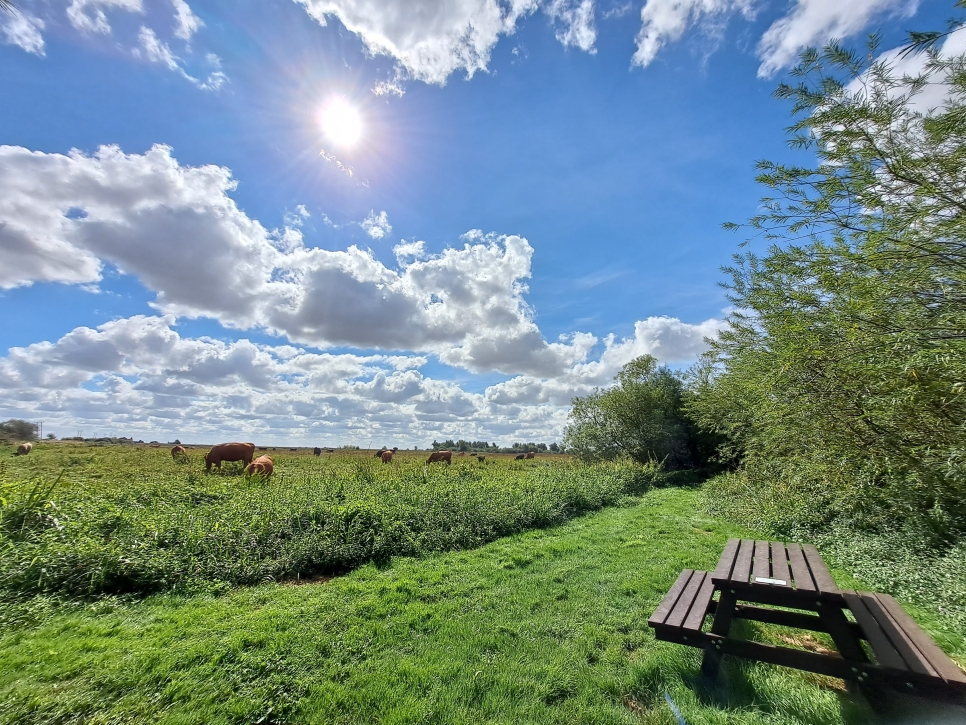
[517, 592]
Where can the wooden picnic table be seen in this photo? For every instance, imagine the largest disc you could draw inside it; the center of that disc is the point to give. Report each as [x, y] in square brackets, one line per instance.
[794, 583]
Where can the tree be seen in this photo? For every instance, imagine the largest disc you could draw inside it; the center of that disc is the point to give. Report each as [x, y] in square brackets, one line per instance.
[844, 362]
[640, 418]
[22, 430]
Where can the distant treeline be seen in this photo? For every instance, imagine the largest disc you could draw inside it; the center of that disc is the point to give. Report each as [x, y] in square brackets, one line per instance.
[486, 447]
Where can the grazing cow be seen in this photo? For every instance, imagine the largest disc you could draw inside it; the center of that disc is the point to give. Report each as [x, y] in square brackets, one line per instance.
[437, 456]
[379, 453]
[178, 452]
[387, 456]
[316, 451]
[23, 449]
[330, 450]
[520, 457]
[261, 466]
[481, 459]
[293, 449]
[529, 455]
[229, 452]
[461, 453]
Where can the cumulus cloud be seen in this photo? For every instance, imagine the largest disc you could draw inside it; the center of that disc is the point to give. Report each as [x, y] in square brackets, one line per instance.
[377, 226]
[180, 233]
[88, 15]
[23, 29]
[138, 376]
[157, 51]
[187, 22]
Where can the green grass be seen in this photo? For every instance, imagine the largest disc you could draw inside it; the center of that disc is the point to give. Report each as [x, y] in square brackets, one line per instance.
[542, 627]
[83, 520]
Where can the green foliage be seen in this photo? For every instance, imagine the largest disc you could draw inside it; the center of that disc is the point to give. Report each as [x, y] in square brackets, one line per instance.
[544, 627]
[130, 519]
[639, 418]
[840, 379]
[18, 430]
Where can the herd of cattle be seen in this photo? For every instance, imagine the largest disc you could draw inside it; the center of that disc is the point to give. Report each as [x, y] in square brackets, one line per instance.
[265, 466]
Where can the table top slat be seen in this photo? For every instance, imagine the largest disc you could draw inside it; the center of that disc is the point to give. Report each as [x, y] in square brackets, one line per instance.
[779, 563]
[761, 565]
[942, 663]
[915, 661]
[685, 601]
[726, 563]
[800, 572]
[699, 608]
[885, 653]
[671, 598]
[742, 571]
[820, 573]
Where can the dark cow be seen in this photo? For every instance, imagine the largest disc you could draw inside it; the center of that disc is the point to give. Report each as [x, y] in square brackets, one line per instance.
[438, 456]
[378, 454]
[530, 455]
[23, 449]
[178, 453]
[229, 452]
[481, 459]
[261, 466]
[387, 456]
[316, 451]
[520, 457]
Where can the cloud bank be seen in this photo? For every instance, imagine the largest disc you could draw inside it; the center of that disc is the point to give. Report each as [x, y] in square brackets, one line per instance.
[64, 217]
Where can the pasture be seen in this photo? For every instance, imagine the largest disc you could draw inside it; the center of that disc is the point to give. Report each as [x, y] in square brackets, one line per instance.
[83, 519]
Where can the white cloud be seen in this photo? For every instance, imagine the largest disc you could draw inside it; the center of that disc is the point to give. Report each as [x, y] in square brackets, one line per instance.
[88, 15]
[577, 20]
[664, 21]
[138, 376]
[814, 22]
[430, 39]
[156, 51]
[23, 29]
[188, 22]
[377, 226]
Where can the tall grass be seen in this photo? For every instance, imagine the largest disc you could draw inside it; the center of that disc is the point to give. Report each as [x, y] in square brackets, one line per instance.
[133, 520]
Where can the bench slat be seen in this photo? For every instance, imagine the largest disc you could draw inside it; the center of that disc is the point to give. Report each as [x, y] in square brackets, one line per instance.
[670, 599]
[944, 666]
[885, 653]
[742, 570]
[727, 561]
[803, 578]
[820, 573]
[761, 567]
[779, 562]
[699, 609]
[914, 660]
[680, 612]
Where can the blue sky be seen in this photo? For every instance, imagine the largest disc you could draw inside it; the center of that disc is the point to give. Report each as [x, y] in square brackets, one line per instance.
[536, 198]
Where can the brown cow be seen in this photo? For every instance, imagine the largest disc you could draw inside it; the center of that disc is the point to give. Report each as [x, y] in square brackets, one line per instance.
[481, 459]
[229, 452]
[529, 455]
[387, 456]
[179, 452]
[261, 466]
[23, 449]
[461, 453]
[437, 456]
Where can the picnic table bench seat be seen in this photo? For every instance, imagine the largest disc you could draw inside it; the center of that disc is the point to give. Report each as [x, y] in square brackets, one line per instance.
[793, 576]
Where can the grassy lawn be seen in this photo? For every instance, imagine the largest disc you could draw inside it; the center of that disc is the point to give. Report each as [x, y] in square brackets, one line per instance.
[546, 626]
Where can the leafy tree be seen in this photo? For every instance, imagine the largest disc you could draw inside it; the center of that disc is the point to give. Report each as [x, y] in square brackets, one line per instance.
[844, 362]
[22, 430]
[640, 417]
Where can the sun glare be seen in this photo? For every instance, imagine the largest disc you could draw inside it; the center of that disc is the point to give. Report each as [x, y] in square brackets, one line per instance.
[341, 123]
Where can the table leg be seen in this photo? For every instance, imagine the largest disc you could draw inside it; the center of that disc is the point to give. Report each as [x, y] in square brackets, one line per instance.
[845, 640]
[723, 614]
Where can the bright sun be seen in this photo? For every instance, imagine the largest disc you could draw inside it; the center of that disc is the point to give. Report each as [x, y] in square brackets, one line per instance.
[341, 123]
